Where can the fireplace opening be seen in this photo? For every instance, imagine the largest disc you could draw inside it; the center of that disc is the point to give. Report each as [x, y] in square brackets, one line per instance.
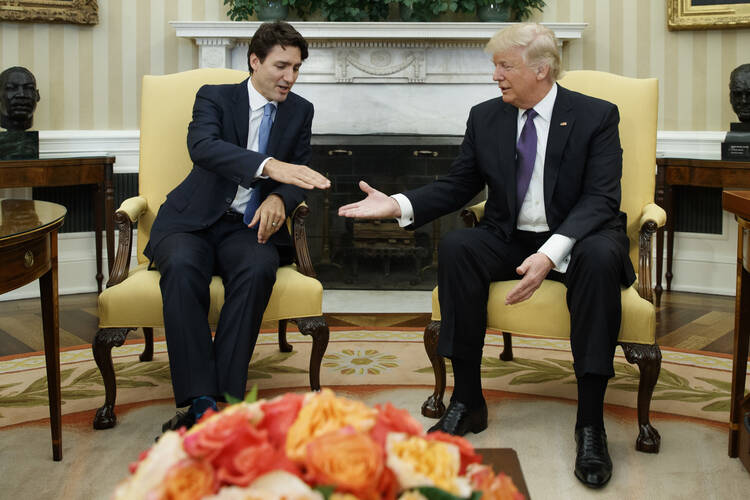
[376, 255]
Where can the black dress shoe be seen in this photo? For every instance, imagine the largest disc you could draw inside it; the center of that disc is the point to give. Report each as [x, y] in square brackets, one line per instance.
[181, 419]
[593, 465]
[459, 419]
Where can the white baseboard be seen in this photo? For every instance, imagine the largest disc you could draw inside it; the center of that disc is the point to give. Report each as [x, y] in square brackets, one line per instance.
[701, 263]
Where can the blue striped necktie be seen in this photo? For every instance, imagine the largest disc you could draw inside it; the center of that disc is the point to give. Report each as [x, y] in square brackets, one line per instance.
[269, 110]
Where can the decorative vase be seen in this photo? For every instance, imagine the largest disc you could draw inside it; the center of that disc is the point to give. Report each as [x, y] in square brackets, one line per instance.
[272, 10]
[495, 12]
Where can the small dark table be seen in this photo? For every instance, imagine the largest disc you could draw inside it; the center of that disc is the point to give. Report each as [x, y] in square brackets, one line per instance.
[28, 251]
[689, 172]
[72, 171]
[738, 202]
[505, 460]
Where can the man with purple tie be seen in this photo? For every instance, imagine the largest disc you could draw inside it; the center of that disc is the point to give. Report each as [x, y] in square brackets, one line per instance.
[551, 161]
[249, 143]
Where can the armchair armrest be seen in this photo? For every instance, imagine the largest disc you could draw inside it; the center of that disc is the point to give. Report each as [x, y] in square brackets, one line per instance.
[299, 240]
[473, 214]
[652, 218]
[125, 216]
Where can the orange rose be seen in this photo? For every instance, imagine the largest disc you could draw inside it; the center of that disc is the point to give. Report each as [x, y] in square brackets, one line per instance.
[392, 419]
[493, 487]
[217, 433]
[189, 479]
[349, 460]
[465, 448]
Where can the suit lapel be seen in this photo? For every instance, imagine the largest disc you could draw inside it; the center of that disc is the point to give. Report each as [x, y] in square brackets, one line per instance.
[507, 123]
[560, 126]
[241, 113]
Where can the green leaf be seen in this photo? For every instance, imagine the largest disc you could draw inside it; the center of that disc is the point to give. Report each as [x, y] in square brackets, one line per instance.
[538, 378]
[231, 399]
[719, 384]
[252, 394]
[672, 379]
[326, 491]
[624, 387]
[687, 397]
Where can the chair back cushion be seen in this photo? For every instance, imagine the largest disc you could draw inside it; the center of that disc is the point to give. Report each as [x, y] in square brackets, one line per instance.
[637, 101]
[166, 110]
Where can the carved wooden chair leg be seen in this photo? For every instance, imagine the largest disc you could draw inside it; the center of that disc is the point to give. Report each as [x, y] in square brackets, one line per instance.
[648, 358]
[433, 406]
[317, 328]
[507, 354]
[284, 346]
[104, 341]
[148, 344]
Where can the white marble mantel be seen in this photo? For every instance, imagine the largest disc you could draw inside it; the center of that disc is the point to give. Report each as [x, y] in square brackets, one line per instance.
[378, 77]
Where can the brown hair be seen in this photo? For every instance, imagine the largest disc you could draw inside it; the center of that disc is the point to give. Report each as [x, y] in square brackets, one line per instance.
[268, 35]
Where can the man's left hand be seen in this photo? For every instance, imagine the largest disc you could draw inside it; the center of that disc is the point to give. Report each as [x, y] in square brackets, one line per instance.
[270, 217]
[534, 269]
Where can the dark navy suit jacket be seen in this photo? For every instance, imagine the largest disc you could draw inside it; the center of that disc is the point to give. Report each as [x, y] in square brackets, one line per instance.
[217, 143]
[582, 171]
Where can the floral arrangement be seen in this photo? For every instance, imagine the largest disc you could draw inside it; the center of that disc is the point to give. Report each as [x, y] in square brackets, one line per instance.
[314, 446]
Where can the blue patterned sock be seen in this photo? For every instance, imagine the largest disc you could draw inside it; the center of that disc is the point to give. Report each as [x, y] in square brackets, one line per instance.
[201, 404]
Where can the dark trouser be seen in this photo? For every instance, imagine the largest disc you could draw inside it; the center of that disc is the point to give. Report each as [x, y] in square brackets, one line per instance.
[470, 259]
[200, 365]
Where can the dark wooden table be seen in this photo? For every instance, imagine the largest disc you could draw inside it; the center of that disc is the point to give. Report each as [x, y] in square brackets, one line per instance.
[93, 170]
[505, 460]
[689, 172]
[738, 202]
[28, 251]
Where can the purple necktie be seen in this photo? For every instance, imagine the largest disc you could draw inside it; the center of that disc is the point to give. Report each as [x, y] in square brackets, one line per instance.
[525, 157]
[264, 132]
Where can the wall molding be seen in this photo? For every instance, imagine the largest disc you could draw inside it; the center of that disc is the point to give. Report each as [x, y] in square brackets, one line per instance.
[702, 263]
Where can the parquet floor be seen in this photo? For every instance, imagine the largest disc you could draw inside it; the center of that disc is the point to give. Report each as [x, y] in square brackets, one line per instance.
[684, 320]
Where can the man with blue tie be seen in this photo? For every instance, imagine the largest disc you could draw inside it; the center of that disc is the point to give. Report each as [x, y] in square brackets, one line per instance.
[249, 143]
[551, 161]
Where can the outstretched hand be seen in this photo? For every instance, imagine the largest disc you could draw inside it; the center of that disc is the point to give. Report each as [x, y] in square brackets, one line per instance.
[534, 269]
[376, 205]
[298, 175]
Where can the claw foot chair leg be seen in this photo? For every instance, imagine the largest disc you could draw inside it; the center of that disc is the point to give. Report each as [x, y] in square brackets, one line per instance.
[507, 354]
[148, 344]
[284, 346]
[104, 341]
[648, 358]
[317, 328]
[433, 406]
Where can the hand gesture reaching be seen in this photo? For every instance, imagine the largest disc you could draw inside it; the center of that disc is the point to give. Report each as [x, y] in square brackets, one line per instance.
[376, 205]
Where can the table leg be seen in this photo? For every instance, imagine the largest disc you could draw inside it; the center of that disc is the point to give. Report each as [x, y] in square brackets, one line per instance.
[739, 362]
[669, 195]
[109, 214]
[98, 219]
[51, 325]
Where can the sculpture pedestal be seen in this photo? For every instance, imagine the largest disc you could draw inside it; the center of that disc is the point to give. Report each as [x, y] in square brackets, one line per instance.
[19, 145]
[736, 145]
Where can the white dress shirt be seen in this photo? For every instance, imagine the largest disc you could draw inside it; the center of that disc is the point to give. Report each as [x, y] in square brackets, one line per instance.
[257, 103]
[532, 216]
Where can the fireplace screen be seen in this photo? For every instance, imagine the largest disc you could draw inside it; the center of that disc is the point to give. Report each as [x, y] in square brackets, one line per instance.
[358, 254]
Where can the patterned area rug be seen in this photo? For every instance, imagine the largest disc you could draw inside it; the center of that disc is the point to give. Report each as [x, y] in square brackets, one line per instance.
[690, 384]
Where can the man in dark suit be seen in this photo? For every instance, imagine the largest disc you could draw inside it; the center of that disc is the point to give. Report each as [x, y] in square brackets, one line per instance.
[249, 143]
[551, 161]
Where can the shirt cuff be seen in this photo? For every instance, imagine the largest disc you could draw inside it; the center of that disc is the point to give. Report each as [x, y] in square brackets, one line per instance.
[259, 172]
[407, 211]
[558, 248]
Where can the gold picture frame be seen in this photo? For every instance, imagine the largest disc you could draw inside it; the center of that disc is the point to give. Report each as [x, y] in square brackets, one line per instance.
[50, 11]
[707, 14]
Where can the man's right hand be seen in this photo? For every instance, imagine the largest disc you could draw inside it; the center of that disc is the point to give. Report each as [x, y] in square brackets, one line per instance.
[298, 175]
[376, 205]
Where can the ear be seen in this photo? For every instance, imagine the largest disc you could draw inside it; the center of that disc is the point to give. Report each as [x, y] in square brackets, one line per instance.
[542, 72]
[254, 61]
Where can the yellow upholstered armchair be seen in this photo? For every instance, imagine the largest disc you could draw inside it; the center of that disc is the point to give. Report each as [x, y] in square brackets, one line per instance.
[546, 313]
[132, 298]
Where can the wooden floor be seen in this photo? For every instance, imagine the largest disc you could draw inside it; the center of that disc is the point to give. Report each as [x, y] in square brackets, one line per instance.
[685, 320]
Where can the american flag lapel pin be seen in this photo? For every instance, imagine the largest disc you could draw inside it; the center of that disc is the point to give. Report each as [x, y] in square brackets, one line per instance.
[563, 124]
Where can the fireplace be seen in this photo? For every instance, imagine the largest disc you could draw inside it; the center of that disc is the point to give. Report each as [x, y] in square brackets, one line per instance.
[352, 254]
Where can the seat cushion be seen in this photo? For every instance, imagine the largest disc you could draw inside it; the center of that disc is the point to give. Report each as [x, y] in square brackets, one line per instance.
[136, 302]
[545, 314]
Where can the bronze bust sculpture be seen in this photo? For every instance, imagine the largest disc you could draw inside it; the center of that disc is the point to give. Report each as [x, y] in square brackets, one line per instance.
[736, 145]
[18, 98]
[739, 91]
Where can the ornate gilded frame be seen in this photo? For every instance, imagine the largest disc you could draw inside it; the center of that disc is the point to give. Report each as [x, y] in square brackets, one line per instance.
[50, 11]
[686, 15]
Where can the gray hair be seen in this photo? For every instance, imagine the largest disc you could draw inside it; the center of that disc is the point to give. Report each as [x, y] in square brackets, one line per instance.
[538, 42]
